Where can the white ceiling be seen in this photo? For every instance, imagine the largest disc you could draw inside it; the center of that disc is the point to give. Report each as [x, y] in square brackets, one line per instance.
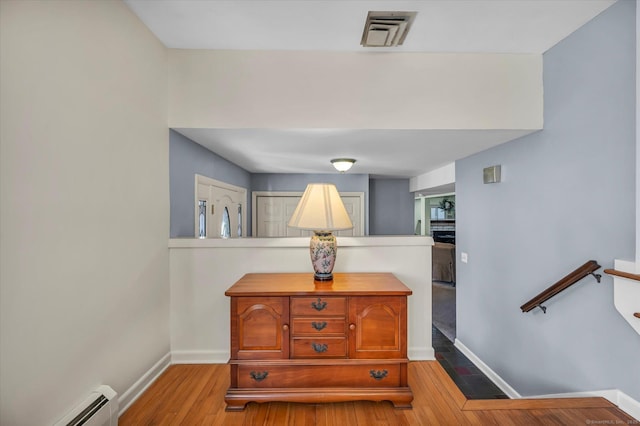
[480, 26]
[391, 153]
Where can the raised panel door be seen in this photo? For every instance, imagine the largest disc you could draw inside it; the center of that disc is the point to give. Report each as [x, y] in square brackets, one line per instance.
[259, 327]
[378, 327]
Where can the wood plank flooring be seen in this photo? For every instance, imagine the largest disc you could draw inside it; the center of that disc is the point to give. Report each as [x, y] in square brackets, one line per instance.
[194, 395]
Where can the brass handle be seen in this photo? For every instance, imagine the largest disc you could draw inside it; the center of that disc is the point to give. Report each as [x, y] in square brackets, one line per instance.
[258, 377]
[319, 305]
[319, 347]
[352, 327]
[319, 325]
[378, 374]
[285, 327]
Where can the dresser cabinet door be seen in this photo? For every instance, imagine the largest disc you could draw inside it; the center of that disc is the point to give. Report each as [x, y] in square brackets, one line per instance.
[377, 327]
[259, 327]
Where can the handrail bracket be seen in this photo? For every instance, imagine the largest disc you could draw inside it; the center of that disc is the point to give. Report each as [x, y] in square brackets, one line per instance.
[598, 277]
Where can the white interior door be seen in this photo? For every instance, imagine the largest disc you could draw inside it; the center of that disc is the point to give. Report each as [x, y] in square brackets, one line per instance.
[272, 212]
[225, 211]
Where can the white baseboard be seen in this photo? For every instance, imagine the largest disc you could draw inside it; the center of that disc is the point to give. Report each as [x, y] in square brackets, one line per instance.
[628, 405]
[421, 354]
[131, 394]
[199, 357]
[609, 394]
[222, 357]
[615, 396]
[492, 375]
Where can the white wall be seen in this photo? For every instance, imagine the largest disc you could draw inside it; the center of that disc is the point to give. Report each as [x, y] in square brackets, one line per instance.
[441, 177]
[202, 270]
[84, 204]
[278, 89]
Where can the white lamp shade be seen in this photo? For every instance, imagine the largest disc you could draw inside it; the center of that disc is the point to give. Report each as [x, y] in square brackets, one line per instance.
[320, 209]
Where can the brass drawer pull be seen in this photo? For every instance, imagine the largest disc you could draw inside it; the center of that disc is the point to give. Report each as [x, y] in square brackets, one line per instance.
[379, 374]
[319, 325]
[319, 347]
[258, 377]
[319, 305]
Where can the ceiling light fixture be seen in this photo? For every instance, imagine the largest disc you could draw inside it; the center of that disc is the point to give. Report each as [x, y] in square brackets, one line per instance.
[342, 164]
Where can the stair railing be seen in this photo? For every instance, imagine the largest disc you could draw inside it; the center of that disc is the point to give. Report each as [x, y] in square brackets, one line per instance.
[587, 269]
[627, 275]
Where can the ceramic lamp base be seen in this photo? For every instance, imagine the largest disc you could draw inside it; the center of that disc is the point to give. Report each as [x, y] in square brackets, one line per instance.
[323, 250]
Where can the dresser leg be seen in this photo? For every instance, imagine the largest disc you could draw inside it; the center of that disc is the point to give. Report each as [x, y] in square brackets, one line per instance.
[235, 405]
[402, 405]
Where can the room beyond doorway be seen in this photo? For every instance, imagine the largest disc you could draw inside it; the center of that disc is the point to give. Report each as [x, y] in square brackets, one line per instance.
[444, 308]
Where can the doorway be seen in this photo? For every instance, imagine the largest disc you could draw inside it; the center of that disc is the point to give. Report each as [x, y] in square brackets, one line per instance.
[220, 209]
[435, 217]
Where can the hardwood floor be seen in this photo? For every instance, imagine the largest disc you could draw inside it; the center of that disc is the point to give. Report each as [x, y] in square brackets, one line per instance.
[194, 395]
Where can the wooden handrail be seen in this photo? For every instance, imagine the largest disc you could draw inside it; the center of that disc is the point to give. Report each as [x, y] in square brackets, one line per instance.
[627, 275]
[617, 273]
[566, 282]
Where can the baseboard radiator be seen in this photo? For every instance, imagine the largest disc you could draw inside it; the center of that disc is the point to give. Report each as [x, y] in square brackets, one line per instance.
[100, 408]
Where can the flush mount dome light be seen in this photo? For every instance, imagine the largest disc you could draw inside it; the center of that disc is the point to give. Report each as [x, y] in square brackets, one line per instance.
[342, 164]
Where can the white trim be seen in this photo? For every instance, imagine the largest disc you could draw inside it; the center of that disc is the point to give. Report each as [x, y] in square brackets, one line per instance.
[610, 394]
[222, 357]
[377, 241]
[199, 357]
[492, 375]
[141, 385]
[628, 405]
[421, 354]
[256, 194]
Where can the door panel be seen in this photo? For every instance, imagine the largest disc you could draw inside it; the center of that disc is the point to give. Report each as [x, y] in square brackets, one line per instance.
[274, 211]
[260, 326]
[379, 324]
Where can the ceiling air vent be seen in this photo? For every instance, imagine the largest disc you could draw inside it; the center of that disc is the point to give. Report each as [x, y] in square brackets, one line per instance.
[386, 29]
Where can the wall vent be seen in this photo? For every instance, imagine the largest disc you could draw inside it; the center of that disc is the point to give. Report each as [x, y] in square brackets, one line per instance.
[100, 408]
[386, 29]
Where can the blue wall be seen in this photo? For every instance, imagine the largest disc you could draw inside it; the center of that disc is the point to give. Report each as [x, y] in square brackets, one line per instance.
[186, 159]
[568, 196]
[392, 207]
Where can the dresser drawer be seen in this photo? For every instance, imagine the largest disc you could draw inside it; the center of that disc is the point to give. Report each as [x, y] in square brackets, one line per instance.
[319, 376]
[321, 347]
[318, 326]
[318, 306]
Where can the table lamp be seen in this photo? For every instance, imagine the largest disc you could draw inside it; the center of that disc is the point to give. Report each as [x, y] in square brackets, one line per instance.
[321, 210]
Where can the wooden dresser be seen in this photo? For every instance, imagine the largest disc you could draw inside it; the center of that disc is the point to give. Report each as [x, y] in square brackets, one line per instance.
[291, 341]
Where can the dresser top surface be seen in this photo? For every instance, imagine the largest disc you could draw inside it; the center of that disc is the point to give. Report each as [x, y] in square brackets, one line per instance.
[301, 284]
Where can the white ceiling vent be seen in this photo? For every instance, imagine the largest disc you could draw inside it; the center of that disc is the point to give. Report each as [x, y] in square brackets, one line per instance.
[386, 29]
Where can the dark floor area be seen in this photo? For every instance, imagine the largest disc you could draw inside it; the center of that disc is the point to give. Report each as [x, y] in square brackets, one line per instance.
[469, 379]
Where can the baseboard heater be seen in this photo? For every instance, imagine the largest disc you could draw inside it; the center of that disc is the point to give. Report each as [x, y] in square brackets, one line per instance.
[100, 408]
